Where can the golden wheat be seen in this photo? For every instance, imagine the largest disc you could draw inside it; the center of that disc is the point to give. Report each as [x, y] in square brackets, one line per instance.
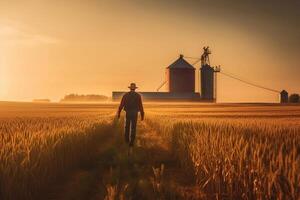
[236, 159]
[38, 148]
[231, 151]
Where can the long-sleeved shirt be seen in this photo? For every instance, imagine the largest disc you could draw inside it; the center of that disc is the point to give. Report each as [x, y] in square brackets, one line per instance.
[132, 102]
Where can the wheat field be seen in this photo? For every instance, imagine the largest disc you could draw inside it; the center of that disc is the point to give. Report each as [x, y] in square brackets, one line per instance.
[212, 151]
[236, 152]
[40, 143]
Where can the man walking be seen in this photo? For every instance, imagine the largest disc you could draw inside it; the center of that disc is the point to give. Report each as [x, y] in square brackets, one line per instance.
[132, 104]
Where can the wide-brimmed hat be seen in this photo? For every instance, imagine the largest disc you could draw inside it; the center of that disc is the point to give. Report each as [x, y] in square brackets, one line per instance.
[132, 86]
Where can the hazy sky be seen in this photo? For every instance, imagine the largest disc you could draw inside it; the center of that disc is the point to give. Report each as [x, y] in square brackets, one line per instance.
[49, 48]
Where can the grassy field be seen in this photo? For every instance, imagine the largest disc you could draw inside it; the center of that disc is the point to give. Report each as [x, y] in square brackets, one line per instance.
[183, 151]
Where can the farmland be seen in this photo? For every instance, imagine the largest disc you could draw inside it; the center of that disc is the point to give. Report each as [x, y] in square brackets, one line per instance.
[183, 151]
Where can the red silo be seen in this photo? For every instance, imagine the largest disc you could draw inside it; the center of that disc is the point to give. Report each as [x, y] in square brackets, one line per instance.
[181, 76]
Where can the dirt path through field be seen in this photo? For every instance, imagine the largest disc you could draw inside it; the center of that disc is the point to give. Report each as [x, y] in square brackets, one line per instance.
[115, 174]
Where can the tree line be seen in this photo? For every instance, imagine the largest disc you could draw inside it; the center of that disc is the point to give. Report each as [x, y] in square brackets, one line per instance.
[294, 98]
[88, 97]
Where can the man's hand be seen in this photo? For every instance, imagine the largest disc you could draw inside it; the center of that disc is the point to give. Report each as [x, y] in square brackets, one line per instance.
[142, 116]
[118, 115]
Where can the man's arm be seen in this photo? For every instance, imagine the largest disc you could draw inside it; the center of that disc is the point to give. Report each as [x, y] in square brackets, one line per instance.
[141, 108]
[121, 106]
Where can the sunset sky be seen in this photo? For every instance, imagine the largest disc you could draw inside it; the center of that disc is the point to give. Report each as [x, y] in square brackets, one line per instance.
[49, 48]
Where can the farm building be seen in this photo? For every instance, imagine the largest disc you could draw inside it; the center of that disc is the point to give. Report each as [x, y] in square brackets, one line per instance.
[180, 76]
[163, 96]
[181, 83]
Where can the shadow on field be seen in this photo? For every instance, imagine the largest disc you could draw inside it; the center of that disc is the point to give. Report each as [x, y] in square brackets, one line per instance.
[138, 176]
[148, 173]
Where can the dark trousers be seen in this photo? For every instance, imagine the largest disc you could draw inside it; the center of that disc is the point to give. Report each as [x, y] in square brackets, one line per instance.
[130, 127]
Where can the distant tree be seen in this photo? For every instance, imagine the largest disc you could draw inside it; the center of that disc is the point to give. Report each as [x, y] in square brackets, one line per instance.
[294, 98]
[84, 98]
[41, 100]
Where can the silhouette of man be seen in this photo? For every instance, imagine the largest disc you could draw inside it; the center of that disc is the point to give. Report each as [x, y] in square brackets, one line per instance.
[132, 104]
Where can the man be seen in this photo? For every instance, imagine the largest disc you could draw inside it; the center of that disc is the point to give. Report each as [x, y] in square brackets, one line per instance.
[132, 104]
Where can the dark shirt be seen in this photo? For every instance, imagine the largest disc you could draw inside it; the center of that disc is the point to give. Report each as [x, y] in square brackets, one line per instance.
[132, 102]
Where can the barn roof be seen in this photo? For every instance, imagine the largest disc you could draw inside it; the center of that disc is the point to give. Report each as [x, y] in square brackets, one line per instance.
[180, 63]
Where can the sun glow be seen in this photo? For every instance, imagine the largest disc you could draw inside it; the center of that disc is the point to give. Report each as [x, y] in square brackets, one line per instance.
[54, 48]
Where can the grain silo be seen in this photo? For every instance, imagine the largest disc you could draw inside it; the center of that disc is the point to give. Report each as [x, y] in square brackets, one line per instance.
[207, 82]
[207, 76]
[181, 76]
[284, 96]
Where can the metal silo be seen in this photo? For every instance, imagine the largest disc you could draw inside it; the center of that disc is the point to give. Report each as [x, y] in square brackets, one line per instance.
[284, 96]
[181, 76]
[208, 76]
[207, 82]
